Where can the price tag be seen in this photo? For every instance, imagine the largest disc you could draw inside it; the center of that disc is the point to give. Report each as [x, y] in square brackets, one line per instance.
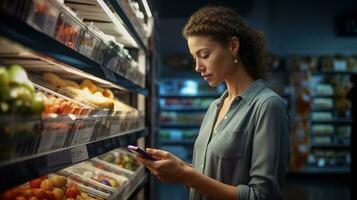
[115, 129]
[59, 159]
[60, 138]
[79, 153]
[47, 138]
[109, 74]
[83, 134]
[113, 62]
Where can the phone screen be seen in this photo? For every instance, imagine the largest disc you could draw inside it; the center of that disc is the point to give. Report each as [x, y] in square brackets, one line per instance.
[140, 152]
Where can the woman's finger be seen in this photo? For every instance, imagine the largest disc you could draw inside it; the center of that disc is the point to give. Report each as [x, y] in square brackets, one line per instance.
[158, 153]
[147, 163]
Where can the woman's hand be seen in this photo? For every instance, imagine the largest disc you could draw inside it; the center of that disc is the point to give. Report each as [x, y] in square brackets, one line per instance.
[168, 168]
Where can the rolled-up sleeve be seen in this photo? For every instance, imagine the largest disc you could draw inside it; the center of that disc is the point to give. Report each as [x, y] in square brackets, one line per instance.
[270, 153]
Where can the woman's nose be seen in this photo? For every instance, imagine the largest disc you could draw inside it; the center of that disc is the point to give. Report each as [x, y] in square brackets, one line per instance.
[198, 66]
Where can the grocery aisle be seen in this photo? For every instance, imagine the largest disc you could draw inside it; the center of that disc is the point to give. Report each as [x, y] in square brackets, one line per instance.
[80, 80]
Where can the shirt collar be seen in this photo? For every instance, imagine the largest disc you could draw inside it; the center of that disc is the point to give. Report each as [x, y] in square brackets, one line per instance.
[247, 95]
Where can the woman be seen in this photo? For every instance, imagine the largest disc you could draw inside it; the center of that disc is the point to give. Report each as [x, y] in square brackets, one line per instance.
[242, 149]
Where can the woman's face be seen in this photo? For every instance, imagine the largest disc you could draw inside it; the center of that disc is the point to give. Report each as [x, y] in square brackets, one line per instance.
[213, 61]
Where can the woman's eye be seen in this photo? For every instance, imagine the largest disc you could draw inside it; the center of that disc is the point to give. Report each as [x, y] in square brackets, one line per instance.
[205, 56]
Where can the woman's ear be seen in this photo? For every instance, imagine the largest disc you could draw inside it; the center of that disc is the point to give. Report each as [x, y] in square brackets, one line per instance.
[234, 45]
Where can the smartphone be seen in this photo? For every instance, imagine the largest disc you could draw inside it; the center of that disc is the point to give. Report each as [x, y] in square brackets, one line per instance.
[140, 152]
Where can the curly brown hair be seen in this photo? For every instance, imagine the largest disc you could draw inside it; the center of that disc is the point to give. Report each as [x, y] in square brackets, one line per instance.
[221, 24]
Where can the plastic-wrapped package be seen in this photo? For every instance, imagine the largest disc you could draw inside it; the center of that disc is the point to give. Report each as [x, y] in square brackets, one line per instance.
[43, 16]
[69, 29]
[107, 181]
[18, 140]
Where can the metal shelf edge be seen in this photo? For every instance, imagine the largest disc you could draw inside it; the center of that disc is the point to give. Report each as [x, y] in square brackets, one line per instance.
[26, 169]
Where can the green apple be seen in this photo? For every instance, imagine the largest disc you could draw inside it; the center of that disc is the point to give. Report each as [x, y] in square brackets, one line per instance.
[22, 93]
[38, 105]
[4, 107]
[4, 93]
[4, 77]
[18, 76]
[20, 107]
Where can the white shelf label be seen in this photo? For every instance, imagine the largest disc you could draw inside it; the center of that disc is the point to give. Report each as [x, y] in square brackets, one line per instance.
[79, 153]
[83, 135]
[109, 74]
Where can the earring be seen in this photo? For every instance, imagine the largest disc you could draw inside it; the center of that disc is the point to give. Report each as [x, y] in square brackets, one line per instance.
[235, 59]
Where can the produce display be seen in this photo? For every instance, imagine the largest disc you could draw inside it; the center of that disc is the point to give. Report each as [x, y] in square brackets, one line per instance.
[47, 119]
[17, 93]
[53, 187]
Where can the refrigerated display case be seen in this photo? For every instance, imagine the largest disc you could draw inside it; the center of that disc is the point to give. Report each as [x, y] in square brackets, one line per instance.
[321, 133]
[72, 90]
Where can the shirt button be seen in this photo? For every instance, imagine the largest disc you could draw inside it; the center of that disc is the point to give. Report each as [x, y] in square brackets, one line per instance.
[201, 166]
[225, 117]
[215, 131]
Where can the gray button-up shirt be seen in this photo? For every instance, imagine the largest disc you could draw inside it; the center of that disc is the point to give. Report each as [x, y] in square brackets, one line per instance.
[250, 147]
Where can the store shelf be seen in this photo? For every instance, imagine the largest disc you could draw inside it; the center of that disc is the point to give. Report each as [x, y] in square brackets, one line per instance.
[39, 42]
[321, 96]
[322, 110]
[138, 188]
[177, 125]
[311, 170]
[23, 169]
[177, 142]
[333, 73]
[330, 146]
[335, 121]
[128, 24]
[183, 109]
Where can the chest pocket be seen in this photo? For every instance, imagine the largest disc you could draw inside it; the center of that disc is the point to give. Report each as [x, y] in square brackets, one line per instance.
[230, 144]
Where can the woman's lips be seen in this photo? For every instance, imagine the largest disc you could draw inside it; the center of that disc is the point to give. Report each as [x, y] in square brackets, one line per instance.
[206, 76]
